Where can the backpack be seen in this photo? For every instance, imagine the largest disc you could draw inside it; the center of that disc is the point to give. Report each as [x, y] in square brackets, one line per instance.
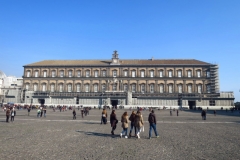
[151, 118]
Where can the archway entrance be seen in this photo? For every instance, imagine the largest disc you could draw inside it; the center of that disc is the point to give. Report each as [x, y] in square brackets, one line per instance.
[192, 104]
[114, 102]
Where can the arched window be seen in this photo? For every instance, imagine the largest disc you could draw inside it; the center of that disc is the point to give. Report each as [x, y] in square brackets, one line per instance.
[170, 88]
[103, 87]
[78, 87]
[52, 87]
[35, 87]
[143, 88]
[133, 87]
[95, 87]
[189, 88]
[44, 87]
[161, 88]
[180, 88]
[60, 87]
[86, 87]
[151, 88]
[199, 88]
[125, 87]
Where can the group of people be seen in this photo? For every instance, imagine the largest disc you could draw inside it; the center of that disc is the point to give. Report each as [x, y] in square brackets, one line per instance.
[10, 111]
[135, 120]
[41, 111]
[84, 111]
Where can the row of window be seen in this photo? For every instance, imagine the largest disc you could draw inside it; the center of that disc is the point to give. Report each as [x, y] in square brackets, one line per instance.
[114, 73]
[114, 88]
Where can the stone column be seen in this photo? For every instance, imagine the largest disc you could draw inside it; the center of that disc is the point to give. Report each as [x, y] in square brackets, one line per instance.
[147, 86]
[155, 86]
[64, 86]
[165, 86]
[82, 86]
[137, 86]
[83, 72]
[147, 72]
[40, 74]
[184, 86]
[100, 85]
[56, 85]
[48, 86]
[174, 72]
[194, 86]
[108, 72]
[73, 87]
[174, 87]
[203, 87]
[128, 85]
[165, 70]
[57, 74]
[91, 87]
[183, 72]
[138, 74]
[39, 85]
[107, 85]
[129, 72]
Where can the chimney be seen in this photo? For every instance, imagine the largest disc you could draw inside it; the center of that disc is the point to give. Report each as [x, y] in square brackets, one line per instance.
[152, 58]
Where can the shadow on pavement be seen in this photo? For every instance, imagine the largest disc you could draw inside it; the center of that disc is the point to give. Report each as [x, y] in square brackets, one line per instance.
[98, 134]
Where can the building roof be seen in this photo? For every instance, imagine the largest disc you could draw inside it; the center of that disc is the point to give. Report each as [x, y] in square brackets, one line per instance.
[122, 62]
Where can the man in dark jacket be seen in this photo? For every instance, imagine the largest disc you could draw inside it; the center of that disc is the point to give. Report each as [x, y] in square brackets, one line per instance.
[152, 124]
[7, 115]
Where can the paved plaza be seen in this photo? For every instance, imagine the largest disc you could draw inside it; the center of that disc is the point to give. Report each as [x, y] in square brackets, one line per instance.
[59, 137]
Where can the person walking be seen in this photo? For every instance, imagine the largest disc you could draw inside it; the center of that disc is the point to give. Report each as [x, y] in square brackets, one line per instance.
[82, 112]
[132, 119]
[214, 112]
[44, 111]
[138, 122]
[152, 124]
[170, 112]
[7, 115]
[13, 113]
[113, 121]
[125, 122]
[38, 112]
[177, 112]
[104, 116]
[29, 109]
[203, 115]
[74, 114]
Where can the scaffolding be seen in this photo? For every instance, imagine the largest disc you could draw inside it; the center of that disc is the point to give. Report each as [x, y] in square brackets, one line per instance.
[214, 79]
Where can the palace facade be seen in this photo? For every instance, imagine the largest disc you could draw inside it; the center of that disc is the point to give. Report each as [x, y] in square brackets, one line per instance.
[126, 82]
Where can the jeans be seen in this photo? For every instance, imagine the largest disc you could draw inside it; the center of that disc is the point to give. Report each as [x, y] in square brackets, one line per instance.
[132, 125]
[44, 114]
[152, 125]
[125, 130]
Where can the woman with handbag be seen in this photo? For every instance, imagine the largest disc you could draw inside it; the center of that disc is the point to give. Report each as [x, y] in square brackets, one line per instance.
[138, 122]
[104, 116]
[124, 121]
[113, 121]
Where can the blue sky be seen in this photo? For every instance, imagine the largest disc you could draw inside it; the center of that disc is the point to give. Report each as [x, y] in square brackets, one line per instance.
[207, 30]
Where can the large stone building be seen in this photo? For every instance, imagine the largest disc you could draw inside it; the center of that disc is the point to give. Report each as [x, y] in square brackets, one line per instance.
[150, 82]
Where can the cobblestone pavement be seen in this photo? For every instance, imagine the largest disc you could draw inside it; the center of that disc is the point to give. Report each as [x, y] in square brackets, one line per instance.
[59, 137]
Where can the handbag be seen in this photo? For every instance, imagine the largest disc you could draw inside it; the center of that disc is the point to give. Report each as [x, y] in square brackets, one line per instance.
[143, 128]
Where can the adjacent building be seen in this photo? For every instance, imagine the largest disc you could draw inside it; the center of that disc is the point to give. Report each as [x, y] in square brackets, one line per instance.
[126, 82]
